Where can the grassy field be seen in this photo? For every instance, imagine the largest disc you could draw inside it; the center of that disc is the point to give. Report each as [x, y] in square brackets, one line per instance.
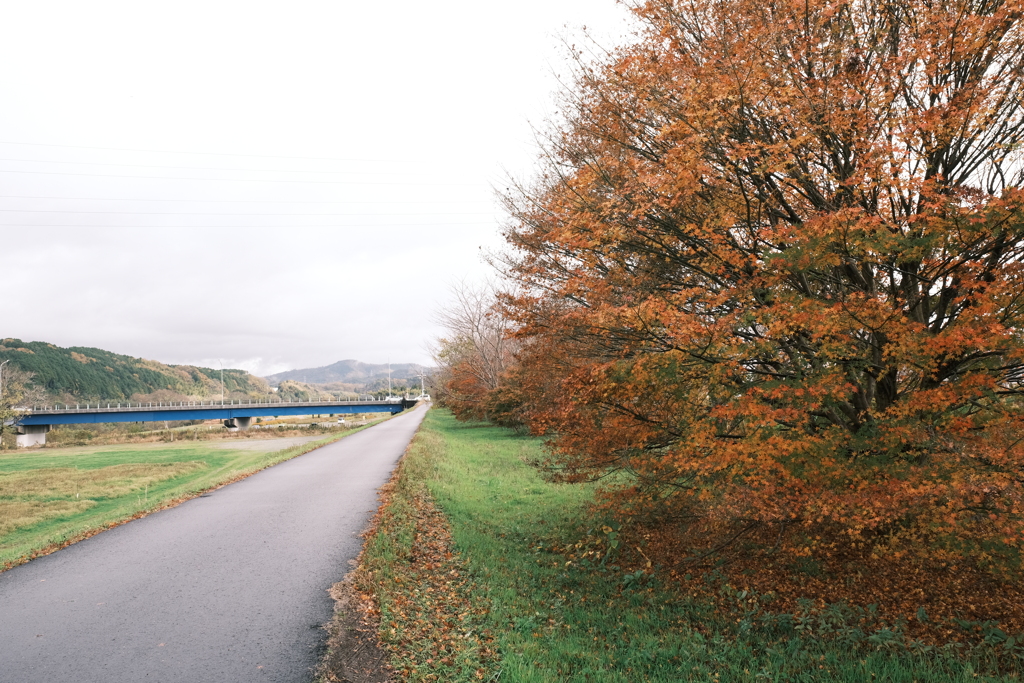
[485, 591]
[52, 496]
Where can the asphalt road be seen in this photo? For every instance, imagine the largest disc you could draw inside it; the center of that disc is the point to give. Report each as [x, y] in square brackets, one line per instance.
[230, 587]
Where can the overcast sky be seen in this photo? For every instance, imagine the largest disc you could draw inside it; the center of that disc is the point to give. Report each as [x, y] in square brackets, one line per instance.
[275, 184]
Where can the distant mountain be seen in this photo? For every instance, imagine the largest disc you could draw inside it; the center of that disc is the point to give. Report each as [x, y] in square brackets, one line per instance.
[83, 373]
[350, 372]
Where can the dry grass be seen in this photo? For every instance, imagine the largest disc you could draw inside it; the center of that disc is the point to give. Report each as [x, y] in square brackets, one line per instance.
[34, 496]
[104, 482]
[211, 430]
[15, 514]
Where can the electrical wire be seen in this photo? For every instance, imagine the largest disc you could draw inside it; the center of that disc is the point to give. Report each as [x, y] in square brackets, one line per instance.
[244, 201]
[214, 154]
[204, 168]
[206, 213]
[245, 180]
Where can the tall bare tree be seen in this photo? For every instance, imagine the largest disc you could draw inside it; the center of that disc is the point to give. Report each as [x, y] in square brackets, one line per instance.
[475, 352]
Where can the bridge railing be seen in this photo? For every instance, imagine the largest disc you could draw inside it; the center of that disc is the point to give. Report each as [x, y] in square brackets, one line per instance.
[128, 406]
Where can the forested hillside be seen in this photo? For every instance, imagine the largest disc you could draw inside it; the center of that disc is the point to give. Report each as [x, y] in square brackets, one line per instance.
[82, 373]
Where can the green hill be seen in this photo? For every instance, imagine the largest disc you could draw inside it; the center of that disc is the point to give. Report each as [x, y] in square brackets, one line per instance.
[351, 372]
[80, 373]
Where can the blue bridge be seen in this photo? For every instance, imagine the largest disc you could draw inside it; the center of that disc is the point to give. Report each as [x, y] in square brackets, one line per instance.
[34, 423]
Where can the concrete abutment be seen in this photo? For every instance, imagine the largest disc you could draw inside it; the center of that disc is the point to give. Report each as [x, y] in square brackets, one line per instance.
[237, 423]
[31, 435]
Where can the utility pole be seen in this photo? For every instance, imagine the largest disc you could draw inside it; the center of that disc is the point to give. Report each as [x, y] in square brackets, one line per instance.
[2, 376]
[221, 380]
[389, 378]
[2, 411]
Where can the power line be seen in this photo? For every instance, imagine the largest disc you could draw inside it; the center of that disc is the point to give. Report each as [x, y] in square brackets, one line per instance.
[246, 201]
[286, 225]
[200, 168]
[244, 180]
[207, 213]
[214, 154]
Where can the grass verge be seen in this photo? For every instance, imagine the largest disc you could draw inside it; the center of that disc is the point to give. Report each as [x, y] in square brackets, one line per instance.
[50, 498]
[469, 579]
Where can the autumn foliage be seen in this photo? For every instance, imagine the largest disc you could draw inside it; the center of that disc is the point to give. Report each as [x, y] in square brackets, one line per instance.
[772, 271]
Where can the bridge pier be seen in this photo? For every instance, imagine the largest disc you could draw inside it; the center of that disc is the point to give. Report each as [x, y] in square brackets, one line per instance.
[31, 435]
[235, 423]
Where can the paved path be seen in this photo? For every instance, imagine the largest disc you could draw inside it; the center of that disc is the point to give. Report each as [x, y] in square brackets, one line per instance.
[227, 588]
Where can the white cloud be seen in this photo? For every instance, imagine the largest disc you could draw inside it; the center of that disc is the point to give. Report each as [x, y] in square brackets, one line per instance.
[338, 175]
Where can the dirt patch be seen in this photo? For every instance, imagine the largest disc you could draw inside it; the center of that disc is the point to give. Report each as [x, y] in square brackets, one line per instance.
[354, 654]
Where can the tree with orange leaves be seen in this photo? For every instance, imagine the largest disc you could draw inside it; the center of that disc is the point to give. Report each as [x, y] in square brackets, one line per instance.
[772, 268]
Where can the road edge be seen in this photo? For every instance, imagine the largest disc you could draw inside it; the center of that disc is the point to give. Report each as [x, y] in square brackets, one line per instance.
[301, 449]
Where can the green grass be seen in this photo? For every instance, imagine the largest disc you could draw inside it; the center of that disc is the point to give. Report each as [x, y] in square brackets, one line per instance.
[595, 621]
[49, 497]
